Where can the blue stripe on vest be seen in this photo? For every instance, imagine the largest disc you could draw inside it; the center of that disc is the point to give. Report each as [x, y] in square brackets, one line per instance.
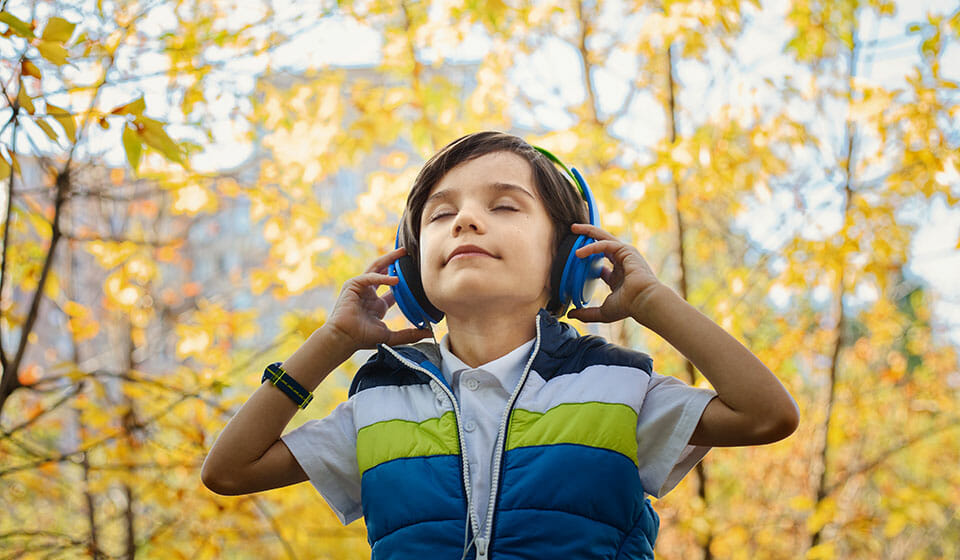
[572, 501]
[423, 541]
[403, 492]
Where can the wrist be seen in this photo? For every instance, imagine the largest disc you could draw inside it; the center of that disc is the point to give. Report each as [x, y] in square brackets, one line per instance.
[333, 341]
[651, 302]
[322, 352]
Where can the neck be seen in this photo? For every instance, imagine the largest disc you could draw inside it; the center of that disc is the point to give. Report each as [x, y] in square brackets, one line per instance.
[480, 338]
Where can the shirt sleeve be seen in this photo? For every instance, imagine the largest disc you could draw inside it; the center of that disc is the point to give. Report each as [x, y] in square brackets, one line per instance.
[327, 451]
[668, 416]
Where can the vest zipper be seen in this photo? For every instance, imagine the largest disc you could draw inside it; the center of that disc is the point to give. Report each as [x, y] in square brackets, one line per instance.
[483, 543]
[474, 522]
[482, 548]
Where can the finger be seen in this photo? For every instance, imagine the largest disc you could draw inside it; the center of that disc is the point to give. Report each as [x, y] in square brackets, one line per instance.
[388, 298]
[605, 273]
[381, 264]
[371, 279]
[592, 231]
[408, 336]
[586, 314]
[607, 247]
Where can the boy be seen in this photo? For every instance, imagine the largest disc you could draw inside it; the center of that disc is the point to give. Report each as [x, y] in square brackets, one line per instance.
[514, 437]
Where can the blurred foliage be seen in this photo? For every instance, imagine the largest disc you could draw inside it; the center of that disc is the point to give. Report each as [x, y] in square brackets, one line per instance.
[140, 295]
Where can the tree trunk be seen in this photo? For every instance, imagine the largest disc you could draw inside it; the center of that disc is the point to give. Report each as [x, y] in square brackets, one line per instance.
[701, 470]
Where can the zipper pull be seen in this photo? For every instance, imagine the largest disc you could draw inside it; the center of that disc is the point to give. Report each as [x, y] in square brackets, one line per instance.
[482, 548]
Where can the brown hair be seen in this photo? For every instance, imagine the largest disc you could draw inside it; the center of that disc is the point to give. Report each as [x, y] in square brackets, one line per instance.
[563, 202]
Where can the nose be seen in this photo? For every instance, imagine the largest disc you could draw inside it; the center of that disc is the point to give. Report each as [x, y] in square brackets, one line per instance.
[468, 218]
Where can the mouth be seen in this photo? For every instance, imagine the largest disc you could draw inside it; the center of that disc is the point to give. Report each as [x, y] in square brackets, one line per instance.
[465, 251]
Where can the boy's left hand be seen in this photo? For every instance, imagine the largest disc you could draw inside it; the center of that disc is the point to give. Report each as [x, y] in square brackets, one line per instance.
[631, 280]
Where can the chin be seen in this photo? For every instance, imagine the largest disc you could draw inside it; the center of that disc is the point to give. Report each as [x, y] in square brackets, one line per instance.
[470, 299]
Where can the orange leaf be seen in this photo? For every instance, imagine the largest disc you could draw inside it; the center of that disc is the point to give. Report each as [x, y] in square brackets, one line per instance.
[29, 374]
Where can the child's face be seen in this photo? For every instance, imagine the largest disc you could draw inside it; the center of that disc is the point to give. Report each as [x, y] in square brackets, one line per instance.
[491, 203]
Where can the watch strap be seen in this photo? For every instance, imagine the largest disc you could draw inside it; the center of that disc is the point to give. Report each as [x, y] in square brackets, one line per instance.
[282, 380]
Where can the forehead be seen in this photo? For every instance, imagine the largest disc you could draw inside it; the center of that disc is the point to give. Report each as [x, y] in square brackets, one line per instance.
[485, 172]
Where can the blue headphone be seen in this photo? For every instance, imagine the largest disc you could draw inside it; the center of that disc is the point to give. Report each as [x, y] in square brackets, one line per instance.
[572, 279]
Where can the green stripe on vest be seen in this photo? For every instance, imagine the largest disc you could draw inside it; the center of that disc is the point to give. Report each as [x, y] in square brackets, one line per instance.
[398, 439]
[610, 426]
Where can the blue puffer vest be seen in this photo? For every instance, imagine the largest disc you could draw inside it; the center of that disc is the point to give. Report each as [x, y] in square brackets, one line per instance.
[564, 475]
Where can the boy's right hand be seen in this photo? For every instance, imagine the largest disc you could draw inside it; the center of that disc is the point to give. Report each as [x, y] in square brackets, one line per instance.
[357, 315]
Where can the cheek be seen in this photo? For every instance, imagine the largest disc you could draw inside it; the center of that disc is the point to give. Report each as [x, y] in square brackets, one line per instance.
[428, 258]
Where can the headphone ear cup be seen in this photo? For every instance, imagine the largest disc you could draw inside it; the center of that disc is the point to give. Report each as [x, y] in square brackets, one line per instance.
[416, 296]
[579, 275]
[559, 299]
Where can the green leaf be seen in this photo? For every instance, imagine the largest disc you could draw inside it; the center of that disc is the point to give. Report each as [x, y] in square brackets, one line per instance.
[132, 145]
[17, 26]
[53, 51]
[136, 107]
[58, 29]
[153, 134]
[47, 129]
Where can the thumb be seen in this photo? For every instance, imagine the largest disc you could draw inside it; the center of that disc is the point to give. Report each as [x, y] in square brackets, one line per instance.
[408, 336]
[586, 314]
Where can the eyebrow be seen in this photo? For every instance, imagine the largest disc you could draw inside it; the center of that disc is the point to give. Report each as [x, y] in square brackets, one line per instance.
[498, 187]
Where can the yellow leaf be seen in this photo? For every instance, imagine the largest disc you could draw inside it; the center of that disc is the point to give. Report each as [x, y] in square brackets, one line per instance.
[30, 69]
[24, 100]
[136, 107]
[153, 134]
[74, 309]
[132, 146]
[823, 551]
[54, 52]
[58, 29]
[45, 126]
[83, 328]
[4, 168]
[825, 512]
[111, 253]
[895, 524]
[51, 288]
[69, 126]
[17, 26]
[801, 503]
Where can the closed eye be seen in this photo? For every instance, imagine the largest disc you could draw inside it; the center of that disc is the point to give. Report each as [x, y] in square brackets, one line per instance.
[439, 215]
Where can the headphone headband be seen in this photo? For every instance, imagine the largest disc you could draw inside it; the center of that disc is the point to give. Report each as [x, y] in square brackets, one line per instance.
[557, 161]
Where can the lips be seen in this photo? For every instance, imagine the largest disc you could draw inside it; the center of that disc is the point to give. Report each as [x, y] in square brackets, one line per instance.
[467, 249]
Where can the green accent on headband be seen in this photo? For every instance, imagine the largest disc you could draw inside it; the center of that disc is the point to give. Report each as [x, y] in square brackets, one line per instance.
[556, 160]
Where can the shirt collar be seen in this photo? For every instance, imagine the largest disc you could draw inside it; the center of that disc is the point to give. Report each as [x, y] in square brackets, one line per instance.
[507, 369]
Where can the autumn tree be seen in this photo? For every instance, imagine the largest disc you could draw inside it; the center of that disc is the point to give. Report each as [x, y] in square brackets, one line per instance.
[141, 291]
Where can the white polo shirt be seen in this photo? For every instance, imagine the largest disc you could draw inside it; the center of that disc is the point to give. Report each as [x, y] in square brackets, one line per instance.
[483, 393]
